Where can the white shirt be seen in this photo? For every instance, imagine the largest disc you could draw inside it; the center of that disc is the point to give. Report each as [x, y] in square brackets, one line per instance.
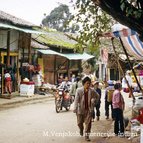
[129, 79]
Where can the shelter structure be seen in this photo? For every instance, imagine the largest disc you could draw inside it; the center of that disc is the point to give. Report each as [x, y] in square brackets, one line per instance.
[15, 45]
[130, 43]
[60, 57]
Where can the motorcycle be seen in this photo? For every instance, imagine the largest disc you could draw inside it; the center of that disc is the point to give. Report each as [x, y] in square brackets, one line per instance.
[62, 99]
[72, 98]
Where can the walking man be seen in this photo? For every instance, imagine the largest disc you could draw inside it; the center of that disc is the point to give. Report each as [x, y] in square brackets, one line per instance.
[97, 106]
[108, 99]
[85, 100]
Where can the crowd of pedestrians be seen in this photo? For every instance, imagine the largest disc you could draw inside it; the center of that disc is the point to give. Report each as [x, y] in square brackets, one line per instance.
[87, 103]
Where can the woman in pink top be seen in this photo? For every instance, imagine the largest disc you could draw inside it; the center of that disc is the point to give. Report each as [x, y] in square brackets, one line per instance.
[118, 107]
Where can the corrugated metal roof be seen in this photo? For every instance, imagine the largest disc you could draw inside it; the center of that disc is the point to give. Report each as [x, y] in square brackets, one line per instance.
[37, 45]
[26, 30]
[73, 56]
[78, 56]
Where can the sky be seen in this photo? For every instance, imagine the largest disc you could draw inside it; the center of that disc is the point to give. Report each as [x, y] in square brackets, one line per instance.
[30, 10]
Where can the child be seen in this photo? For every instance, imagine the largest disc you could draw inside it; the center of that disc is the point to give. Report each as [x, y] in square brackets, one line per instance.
[7, 78]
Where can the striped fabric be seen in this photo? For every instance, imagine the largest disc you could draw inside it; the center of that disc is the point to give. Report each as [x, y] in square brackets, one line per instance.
[134, 46]
[130, 40]
[121, 33]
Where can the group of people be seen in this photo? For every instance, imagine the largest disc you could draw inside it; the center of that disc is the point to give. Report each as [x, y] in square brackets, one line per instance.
[88, 98]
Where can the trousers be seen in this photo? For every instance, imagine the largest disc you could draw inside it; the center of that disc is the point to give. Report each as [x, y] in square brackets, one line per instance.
[86, 119]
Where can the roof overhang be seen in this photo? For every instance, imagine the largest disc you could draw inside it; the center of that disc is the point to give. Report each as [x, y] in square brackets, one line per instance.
[70, 56]
[37, 45]
[26, 30]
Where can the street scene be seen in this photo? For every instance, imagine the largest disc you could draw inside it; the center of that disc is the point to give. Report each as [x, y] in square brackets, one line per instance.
[39, 123]
[71, 71]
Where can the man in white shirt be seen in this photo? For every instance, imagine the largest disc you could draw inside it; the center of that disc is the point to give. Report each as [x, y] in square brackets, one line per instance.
[129, 78]
[65, 84]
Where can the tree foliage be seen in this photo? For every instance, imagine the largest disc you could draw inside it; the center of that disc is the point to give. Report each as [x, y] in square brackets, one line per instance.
[58, 18]
[127, 12]
[93, 21]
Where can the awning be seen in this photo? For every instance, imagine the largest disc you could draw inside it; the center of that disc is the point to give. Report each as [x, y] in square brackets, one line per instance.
[70, 56]
[26, 30]
[129, 38]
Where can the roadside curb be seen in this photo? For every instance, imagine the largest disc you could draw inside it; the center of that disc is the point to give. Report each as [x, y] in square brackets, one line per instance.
[20, 101]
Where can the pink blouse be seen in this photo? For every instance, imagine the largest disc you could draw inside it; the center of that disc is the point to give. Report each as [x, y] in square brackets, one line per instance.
[117, 100]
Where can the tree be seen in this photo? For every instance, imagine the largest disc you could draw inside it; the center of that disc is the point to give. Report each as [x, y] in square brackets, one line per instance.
[127, 12]
[93, 21]
[96, 21]
[58, 18]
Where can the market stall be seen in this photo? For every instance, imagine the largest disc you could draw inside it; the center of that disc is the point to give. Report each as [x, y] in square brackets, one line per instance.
[131, 45]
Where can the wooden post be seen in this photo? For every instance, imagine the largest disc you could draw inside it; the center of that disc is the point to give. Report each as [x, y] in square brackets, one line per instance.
[120, 67]
[1, 91]
[18, 64]
[106, 72]
[28, 39]
[0, 57]
[8, 49]
[131, 66]
[29, 48]
[55, 73]
[68, 67]
[23, 46]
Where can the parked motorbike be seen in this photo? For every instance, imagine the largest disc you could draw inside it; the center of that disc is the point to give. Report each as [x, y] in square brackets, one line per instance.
[62, 99]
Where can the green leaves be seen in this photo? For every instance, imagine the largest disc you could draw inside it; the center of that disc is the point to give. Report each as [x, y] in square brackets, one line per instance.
[92, 21]
[122, 6]
[132, 8]
[137, 13]
[59, 18]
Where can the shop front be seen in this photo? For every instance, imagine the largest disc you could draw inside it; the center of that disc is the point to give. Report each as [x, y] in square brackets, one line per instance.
[66, 64]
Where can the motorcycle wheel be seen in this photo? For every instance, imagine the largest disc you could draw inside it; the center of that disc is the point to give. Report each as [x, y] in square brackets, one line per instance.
[68, 108]
[72, 99]
[58, 106]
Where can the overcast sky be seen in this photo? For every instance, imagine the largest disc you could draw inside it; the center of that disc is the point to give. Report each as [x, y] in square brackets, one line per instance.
[30, 10]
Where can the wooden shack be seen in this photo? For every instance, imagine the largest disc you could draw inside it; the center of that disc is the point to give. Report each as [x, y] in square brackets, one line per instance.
[15, 40]
[60, 56]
